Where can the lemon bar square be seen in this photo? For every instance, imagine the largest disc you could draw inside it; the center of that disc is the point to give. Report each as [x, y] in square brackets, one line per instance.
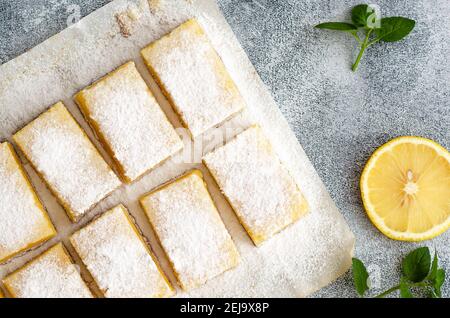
[50, 275]
[190, 230]
[193, 78]
[260, 189]
[129, 122]
[66, 159]
[118, 258]
[24, 223]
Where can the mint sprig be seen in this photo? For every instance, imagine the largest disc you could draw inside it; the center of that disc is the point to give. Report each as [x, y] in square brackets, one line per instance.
[360, 277]
[419, 273]
[366, 21]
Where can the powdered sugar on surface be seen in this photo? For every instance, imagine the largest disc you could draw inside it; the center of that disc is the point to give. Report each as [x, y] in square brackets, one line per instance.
[67, 160]
[193, 75]
[190, 230]
[52, 275]
[134, 126]
[261, 191]
[117, 258]
[23, 221]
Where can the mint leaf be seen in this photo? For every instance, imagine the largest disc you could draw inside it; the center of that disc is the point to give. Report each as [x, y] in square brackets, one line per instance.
[436, 277]
[438, 282]
[434, 268]
[360, 15]
[394, 29]
[337, 26]
[364, 16]
[416, 265]
[405, 292]
[360, 276]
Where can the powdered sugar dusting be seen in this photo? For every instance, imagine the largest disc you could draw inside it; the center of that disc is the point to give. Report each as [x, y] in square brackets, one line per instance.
[130, 119]
[23, 222]
[67, 160]
[194, 77]
[191, 231]
[261, 191]
[51, 275]
[118, 259]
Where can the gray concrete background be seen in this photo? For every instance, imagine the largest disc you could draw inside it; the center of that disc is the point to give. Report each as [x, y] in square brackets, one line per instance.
[339, 117]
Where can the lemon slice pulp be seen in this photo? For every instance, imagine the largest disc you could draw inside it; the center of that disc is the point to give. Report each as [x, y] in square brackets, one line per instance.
[405, 188]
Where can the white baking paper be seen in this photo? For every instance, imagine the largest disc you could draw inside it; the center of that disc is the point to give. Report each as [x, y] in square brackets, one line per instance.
[298, 261]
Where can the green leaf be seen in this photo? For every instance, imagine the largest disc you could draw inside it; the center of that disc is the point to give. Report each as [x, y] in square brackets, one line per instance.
[337, 26]
[404, 290]
[360, 15]
[416, 265]
[394, 29]
[434, 268]
[364, 16]
[360, 276]
[438, 282]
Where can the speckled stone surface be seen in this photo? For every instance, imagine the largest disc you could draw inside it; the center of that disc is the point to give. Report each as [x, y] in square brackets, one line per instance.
[339, 117]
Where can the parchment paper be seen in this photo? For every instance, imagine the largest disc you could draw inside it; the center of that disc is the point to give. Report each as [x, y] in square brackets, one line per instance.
[298, 261]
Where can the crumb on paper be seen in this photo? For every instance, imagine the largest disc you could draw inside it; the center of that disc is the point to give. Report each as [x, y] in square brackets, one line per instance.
[124, 23]
[126, 19]
[154, 5]
[133, 13]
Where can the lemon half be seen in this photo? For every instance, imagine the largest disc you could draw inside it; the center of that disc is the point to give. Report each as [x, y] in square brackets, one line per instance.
[405, 188]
